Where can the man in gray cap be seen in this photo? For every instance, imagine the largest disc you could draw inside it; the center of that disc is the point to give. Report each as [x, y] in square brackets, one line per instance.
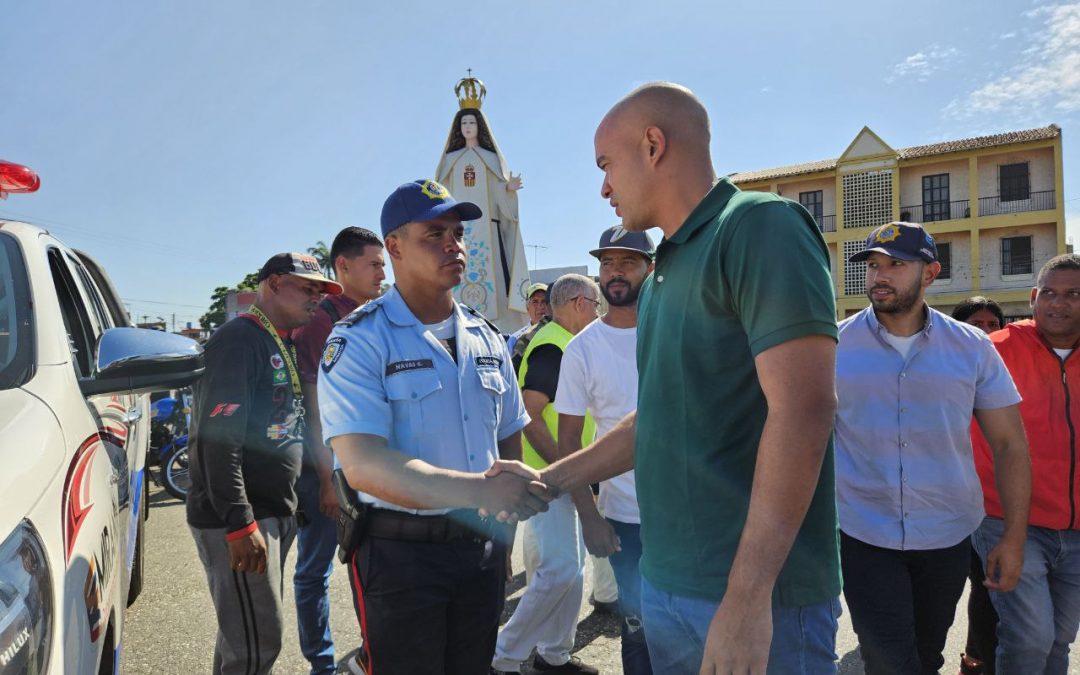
[599, 376]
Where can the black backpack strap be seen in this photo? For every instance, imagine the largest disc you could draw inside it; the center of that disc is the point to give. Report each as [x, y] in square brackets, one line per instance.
[329, 308]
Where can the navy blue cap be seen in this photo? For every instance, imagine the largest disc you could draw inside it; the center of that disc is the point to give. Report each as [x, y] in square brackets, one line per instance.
[906, 241]
[618, 238]
[422, 200]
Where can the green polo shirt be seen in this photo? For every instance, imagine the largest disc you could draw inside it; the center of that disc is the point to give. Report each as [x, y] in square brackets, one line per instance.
[747, 271]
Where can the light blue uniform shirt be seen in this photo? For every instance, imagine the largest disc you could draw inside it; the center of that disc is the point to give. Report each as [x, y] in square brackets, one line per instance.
[383, 373]
[905, 474]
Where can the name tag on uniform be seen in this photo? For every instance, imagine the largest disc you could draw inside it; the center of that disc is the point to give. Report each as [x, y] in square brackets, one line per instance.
[404, 366]
[488, 362]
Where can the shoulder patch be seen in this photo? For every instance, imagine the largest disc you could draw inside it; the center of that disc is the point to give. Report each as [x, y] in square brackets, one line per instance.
[335, 347]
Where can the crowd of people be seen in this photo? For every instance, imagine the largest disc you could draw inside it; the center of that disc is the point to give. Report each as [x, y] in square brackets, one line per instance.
[755, 458]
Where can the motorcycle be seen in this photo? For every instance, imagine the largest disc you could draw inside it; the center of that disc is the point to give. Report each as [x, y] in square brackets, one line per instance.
[169, 419]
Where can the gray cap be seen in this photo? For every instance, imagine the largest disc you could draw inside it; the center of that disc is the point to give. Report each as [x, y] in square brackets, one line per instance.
[618, 238]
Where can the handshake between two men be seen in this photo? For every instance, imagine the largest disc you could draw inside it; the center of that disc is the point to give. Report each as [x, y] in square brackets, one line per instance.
[513, 492]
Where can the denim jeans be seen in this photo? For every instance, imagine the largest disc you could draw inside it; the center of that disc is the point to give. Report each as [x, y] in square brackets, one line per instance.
[635, 651]
[1039, 618]
[803, 643]
[315, 547]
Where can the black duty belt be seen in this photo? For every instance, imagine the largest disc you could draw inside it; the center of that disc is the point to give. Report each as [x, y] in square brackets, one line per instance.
[459, 524]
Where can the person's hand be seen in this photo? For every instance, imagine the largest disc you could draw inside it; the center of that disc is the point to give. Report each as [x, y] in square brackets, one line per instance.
[514, 184]
[739, 637]
[328, 501]
[248, 554]
[1004, 564]
[600, 538]
[511, 496]
[542, 478]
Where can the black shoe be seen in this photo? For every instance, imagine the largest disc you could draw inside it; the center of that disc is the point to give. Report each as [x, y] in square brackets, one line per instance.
[574, 665]
[604, 607]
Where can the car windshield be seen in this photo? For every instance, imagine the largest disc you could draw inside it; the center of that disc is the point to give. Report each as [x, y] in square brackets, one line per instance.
[16, 328]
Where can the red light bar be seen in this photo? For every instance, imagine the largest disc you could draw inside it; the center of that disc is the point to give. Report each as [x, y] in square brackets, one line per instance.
[17, 178]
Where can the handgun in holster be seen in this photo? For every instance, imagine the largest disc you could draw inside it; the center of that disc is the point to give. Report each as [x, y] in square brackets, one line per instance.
[352, 517]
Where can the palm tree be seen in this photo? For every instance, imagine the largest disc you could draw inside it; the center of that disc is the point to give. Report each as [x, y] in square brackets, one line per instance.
[322, 254]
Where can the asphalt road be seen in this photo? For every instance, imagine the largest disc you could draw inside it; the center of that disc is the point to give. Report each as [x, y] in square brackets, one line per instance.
[171, 628]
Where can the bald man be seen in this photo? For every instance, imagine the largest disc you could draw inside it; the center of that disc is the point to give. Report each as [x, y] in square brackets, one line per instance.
[731, 442]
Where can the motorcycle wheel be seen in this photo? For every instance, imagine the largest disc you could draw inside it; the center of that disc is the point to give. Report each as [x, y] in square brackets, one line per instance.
[174, 473]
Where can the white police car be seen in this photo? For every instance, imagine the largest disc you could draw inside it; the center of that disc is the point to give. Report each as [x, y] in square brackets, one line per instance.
[74, 430]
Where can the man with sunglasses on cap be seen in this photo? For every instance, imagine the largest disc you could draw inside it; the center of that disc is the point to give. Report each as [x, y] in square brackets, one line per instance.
[246, 445]
[417, 399]
[908, 379]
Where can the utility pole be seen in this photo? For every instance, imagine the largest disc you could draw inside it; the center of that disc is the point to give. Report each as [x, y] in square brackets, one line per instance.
[174, 322]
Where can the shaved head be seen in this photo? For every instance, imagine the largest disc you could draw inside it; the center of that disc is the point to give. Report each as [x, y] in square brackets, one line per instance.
[653, 147]
[669, 106]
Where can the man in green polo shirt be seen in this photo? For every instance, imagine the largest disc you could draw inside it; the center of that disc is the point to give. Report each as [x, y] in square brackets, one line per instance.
[731, 443]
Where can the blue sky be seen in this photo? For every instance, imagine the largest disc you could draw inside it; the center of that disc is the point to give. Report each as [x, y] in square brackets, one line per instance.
[183, 143]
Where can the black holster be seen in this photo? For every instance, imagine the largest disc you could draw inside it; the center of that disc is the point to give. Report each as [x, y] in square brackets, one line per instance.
[352, 517]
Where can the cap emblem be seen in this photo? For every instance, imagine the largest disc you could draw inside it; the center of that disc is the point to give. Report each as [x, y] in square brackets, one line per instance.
[434, 190]
[617, 233]
[887, 234]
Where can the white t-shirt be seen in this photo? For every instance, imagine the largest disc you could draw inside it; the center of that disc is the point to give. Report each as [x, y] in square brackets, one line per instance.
[599, 375]
[900, 344]
[1063, 353]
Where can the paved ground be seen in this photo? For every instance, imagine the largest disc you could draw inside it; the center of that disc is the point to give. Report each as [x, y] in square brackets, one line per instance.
[171, 627]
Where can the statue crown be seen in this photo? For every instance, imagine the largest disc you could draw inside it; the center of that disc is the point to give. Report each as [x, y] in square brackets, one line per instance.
[470, 92]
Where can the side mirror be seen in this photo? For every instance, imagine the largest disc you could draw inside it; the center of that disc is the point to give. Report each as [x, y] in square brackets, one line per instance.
[138, 360]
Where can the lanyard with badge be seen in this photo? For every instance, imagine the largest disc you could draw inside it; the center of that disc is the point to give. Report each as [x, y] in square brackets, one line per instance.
[289, 356]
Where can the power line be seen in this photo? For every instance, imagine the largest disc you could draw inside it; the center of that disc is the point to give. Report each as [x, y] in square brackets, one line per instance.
[161, 302]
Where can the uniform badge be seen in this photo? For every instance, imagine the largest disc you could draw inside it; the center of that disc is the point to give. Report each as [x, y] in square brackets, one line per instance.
[887, 234]
[280, 377]
[335, 347]
[276, 432]
[488, 362]
[276, 362]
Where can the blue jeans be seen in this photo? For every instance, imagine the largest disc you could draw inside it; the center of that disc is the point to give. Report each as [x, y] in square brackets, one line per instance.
[803, 643]
[1039, 618]
[635, 651]
[315, 545]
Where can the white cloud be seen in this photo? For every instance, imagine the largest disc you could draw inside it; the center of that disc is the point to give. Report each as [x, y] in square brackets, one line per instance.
[766, 89]
[1007, 36]
[1047, 79]
[921, 65]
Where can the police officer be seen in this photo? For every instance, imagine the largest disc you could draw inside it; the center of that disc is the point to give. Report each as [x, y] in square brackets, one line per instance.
[417, 399]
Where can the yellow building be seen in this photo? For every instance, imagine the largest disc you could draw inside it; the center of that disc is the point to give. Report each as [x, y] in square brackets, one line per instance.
[994, 205]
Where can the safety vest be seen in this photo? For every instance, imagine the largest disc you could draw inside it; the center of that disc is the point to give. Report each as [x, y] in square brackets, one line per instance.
[550, 334]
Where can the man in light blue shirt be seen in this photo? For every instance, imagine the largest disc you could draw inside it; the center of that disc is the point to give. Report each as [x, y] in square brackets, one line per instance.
[908, 379]
[417, 398]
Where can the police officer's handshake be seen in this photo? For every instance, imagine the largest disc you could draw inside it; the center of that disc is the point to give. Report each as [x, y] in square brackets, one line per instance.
[418, 400]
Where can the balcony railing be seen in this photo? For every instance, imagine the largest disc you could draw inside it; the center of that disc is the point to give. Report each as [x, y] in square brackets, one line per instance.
[933, 212]
[1036, 201]
[826, 223]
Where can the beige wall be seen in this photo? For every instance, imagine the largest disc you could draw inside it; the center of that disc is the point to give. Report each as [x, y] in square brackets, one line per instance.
[826, 185]
[1040, 166]
[960, 243]
[911, 181]
[1043, 247]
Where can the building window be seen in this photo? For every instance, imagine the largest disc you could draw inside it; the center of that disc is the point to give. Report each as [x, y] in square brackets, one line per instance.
[868, 198]
[1013, 182]
[854, 272]
[812, 201]
[944, 256]
[1016, 255]
[935, 197]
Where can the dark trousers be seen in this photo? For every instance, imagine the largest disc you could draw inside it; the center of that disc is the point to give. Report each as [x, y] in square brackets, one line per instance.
[982, 618]
[902, 603]
[635, 650]
[428, 607]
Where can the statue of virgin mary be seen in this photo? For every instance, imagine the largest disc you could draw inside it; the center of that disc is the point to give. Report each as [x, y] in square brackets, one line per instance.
[474, 170]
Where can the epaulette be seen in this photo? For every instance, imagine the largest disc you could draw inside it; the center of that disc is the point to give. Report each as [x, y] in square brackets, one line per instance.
[483, 318]
[366, 309]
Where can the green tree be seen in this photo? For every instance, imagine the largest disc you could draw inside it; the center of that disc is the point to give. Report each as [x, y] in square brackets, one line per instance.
[322, 254]
[215, 315]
